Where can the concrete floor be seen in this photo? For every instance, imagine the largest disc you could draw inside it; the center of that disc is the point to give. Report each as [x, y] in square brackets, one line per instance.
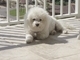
[56, 47]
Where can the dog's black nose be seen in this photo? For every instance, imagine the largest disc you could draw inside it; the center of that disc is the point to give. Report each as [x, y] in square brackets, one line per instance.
[37, 24]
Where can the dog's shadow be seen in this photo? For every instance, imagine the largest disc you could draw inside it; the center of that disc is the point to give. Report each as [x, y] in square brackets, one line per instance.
[52, 39]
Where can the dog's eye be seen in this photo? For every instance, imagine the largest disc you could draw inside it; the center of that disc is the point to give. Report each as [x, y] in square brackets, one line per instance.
[34, 19]
[40, 20]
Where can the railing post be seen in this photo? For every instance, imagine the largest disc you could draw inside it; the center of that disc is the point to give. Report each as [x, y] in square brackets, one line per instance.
[45, 4]
[61, 7]
[35, 2]
[69, 7]
[77, 8]
[8, 11]
[17, 7]
[27, 5]
[53, 8]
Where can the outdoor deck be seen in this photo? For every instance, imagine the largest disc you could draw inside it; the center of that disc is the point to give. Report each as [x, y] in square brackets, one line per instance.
[57, 47]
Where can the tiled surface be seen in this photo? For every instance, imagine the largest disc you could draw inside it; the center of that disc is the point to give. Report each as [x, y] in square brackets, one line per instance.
[57, 47]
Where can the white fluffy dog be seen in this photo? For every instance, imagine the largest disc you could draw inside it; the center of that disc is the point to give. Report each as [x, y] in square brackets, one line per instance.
[38, 21]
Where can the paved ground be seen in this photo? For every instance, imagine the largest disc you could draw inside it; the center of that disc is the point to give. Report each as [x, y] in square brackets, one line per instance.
[57, 47]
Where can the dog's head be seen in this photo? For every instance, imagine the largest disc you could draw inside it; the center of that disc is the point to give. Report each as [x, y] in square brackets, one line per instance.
[37, 19]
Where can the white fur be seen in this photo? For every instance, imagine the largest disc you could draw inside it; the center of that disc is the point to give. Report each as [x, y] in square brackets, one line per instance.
[46, 26]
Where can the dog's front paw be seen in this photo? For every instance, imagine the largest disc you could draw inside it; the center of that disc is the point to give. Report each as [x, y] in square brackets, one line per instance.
[29, 38]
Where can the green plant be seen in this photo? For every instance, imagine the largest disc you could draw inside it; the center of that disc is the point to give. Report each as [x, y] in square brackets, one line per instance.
[21, 12]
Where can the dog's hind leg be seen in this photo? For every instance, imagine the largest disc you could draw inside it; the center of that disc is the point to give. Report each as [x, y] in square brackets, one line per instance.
[53, 32]
[60, 28]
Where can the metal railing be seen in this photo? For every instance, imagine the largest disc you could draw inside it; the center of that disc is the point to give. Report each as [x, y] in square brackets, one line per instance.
[61, 15]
